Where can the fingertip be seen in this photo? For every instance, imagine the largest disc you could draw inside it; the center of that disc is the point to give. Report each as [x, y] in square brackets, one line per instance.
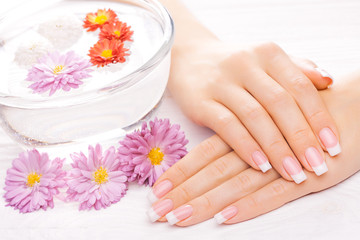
[162, 219]
[293, 168]
[318, 76]
[151, 197]
[325, 75]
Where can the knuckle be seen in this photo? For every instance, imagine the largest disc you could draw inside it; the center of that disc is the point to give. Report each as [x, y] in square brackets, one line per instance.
[235, 59]
[268, 48]
[184, 193]
[252, 112]
[278, 189]
[301, 135]
[225, 120]
[208, 147]
[300, 83]
[207, 203]
[279, 97]
[181, 170]
[245, 143]
[317, 116]
[242, 182]
[219, 168]
[275, 145]
[252, 202]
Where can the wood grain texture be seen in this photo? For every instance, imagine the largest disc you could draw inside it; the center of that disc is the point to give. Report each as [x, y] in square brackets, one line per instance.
[326, 31]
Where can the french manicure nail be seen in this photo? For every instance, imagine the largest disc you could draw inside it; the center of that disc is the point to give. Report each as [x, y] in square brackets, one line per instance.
[226, 214]
[330, 141]
[179, 214]
[294, 169]
[160, 209]
[325, 74]
[159, 191]
[316, 161]
[261, 160]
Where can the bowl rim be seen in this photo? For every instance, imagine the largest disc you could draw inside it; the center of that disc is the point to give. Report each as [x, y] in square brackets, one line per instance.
[118, 85]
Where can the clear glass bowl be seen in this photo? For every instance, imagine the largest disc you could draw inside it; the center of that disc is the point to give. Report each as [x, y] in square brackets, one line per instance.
[106, 105]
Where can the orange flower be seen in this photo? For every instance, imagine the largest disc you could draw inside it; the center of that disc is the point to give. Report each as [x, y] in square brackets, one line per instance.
[97, 20]
[118, 30]
[107, 51]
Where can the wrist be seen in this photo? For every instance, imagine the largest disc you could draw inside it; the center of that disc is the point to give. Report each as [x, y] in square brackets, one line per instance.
[189, 31]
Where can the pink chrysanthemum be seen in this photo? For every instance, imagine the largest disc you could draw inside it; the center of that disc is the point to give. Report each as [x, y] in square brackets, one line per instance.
[96, 181]
[149, 152]
[55, 71]
[33, 180]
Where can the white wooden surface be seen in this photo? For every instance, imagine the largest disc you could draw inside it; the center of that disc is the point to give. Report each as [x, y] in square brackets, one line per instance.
[326, 31]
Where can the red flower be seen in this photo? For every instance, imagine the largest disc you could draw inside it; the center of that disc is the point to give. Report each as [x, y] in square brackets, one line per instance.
[118, 30]
[107, 51]
[97, 20]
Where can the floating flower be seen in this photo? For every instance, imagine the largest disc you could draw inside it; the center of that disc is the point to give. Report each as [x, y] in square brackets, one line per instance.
[118, 30]
[97, 20]
[96, 181]
[147, 153]
[55, 71]
[30, 51]
[62, 31]
[33, 180]
[107, 51]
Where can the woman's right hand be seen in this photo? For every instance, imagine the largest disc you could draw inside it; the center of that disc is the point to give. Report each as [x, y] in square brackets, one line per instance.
[213, 179]
[258, 101]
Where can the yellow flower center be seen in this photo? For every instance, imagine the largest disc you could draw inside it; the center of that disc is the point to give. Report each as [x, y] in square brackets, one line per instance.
[156, 156]
[101, 19]
[101, 175]
[58, 69]
[117, 33]
[33, 178]
[107, 53]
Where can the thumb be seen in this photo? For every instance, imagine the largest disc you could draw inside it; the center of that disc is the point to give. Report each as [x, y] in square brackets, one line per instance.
[319, 77]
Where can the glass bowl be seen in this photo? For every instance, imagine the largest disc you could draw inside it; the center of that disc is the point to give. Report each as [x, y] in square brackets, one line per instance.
[106, 105]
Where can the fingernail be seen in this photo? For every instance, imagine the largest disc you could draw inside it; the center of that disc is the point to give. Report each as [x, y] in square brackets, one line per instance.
[159, 191]
[294, 169]
[160, 209]
[226, 214]
[261, 160]
[179, 214]
[325, 74]
[330, 141]
[316, 161]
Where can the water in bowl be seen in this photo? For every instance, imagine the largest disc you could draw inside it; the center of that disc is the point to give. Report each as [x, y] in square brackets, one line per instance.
[102, 108]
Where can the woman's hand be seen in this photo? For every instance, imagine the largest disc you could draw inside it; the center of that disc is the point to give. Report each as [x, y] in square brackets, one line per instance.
[259, 102]
[213, 180]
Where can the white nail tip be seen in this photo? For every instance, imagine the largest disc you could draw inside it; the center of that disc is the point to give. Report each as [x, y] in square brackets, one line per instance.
[265, 167]
[151, 196]
[153, 215]
[299, 178]
[333, 151]
[321, 169]
[219, 218]
[171, 218]
[323, 73]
